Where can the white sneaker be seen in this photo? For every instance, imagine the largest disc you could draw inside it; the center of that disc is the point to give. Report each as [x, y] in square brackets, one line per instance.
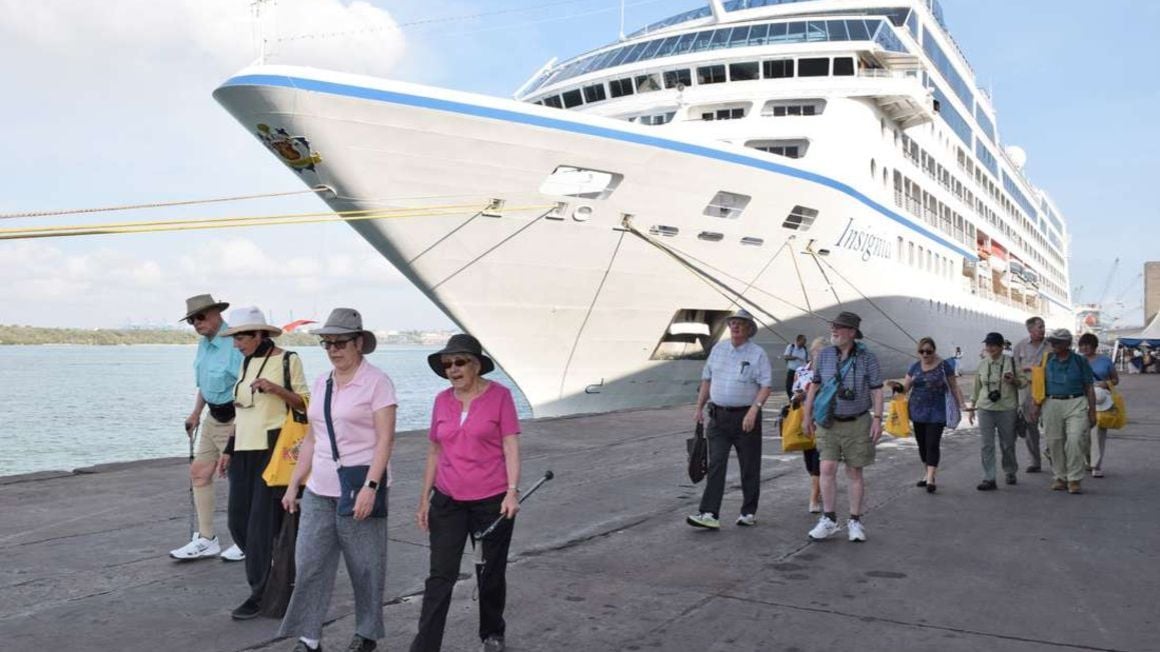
[233, 553]
[705, 520]
[824, 529]
[856, 531]
[747, 520]
[815, 508]
[198, 548]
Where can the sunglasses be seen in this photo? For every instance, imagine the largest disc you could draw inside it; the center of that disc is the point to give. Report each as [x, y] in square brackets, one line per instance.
[238, 336]
[335, 343]
[458, 362]
[201, 316]
[925, 351]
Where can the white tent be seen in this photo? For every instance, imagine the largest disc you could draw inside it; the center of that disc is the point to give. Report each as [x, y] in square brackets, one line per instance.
[1150, 335]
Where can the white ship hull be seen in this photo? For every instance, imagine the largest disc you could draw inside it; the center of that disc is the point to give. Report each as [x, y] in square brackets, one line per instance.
[574, 309]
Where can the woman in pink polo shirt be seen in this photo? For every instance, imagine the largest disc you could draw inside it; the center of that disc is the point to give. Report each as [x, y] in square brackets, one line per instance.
[472, 475]
[354, 407]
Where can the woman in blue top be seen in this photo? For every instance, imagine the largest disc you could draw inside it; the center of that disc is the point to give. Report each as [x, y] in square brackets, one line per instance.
[1105, 376]
[928, 382]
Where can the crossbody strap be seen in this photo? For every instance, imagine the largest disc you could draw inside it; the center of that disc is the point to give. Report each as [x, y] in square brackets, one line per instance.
[329, 421]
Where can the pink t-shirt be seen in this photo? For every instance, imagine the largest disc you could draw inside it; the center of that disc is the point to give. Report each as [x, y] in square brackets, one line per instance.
[471, 466]
[352, 410]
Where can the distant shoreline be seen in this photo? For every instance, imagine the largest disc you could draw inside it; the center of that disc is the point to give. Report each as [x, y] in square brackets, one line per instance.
[34, 335]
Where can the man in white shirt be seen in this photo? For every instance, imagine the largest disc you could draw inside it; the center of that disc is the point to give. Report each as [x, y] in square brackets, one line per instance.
[795, 356]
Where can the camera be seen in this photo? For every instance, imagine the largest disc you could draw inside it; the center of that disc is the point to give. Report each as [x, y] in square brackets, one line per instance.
[993, 395]
[846, 394]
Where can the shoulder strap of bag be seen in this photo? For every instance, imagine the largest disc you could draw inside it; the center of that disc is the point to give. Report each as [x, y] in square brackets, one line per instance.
[286, 371]
[329, 422]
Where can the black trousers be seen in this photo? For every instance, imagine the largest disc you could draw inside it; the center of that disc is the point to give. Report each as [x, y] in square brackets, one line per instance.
[255, 514]
[813, 461]
[790, 375]
[724, 432]
[928, 436]
[451, 522]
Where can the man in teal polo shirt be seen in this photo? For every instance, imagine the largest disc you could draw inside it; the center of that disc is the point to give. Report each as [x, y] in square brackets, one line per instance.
[216, 371]
[1069, 411]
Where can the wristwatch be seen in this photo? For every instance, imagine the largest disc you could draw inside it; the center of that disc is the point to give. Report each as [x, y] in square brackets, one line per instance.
[876, 416]
[371, 484]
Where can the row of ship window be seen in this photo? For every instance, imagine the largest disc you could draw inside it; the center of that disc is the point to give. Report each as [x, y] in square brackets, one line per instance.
[711, 74]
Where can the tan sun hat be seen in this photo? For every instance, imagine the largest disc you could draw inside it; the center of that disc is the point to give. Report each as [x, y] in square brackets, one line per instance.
[249, 318]
[201, 303]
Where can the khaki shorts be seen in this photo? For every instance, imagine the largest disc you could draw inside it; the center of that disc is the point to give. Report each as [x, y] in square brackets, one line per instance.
[213, 439]
[847, 441]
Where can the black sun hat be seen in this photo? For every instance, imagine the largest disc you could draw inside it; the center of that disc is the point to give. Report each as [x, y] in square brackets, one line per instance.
[460, 343]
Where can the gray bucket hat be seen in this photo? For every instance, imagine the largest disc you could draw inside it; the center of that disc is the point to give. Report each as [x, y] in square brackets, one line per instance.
[1059, 335]
[460, 343]
[348, 321]
[742, 313]
[849, 320]
[201, 303]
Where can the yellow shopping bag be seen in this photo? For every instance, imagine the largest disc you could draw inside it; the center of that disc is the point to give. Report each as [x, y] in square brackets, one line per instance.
[898, 416]
[284, 458]
[793, 436]
[1039, 381]
[1115, 418]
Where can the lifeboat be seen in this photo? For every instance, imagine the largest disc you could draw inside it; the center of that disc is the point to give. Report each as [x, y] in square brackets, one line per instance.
[998, 257]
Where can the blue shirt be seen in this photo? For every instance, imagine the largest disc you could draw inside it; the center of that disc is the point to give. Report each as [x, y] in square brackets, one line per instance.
[863, 376]
[736, 373]
[1102, 367]
[928, 392]
[216, 367]
[1068, 377]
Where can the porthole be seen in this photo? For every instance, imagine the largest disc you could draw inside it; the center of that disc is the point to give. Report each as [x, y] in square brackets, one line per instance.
[582, 213]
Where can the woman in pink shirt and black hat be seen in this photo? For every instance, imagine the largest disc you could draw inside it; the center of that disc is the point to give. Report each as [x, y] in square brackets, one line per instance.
[471, 478]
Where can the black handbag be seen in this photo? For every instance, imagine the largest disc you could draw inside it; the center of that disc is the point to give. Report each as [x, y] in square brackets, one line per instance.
[280, 581]
[351, 478]
[698, 448]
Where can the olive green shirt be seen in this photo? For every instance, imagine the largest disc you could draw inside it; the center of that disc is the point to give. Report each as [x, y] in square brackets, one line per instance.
[989, 376]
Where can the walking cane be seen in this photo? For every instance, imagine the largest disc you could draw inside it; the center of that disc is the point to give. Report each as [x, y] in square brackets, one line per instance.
[192, 504]
[478, 537]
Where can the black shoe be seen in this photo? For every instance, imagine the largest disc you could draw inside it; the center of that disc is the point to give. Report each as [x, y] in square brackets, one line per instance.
[247, 610]
[987, 485]
[930, 487]
[1033, 469]
[920, 483]
[360, 644]
[1011, 479]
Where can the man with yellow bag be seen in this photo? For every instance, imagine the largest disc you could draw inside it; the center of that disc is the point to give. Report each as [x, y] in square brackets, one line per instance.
[1069, 411]
[1028, 353]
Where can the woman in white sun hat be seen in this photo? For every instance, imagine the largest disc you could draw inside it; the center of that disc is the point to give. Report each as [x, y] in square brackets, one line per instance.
[270, 380]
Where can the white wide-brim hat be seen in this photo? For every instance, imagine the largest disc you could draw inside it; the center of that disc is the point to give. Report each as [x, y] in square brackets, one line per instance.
[249, 318]
[1103, 399]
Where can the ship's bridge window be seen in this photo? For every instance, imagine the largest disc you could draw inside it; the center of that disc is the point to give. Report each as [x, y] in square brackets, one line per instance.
[654, 118]
[744, 71]
[648, 83]
[724, 114]
[734, 111]
[711, 74]
[572, 98]
[788, 148]
[594, 93]
[673, 78]
[801, 218]
[843, 66]
[572, 181]
[782, 108]
[728, 205]
[620, 87]
[553, 101]
[777, 69]
[814, 67]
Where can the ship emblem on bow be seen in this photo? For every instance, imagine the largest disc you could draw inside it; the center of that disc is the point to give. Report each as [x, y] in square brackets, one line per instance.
[293, 150]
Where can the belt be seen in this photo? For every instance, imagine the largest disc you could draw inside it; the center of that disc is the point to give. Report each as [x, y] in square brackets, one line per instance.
[853, 417]
[1064, 397]
[730, 408]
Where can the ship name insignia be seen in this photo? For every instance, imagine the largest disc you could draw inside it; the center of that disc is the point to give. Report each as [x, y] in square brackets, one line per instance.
[865, 242]
[293, 150]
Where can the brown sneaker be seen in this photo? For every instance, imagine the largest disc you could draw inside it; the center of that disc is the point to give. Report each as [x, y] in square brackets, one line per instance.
[1058, 485]
[1073, 488]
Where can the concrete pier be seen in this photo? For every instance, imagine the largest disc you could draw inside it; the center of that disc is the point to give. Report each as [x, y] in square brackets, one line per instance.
[602, 559]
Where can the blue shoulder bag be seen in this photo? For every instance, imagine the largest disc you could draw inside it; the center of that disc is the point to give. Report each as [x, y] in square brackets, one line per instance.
[824, 398]
[351, 478]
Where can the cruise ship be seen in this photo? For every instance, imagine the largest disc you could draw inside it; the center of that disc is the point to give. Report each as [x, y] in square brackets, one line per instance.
[792, 157]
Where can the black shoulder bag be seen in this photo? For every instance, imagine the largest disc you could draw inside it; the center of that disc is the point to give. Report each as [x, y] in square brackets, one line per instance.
[698, 449]
[351, 478]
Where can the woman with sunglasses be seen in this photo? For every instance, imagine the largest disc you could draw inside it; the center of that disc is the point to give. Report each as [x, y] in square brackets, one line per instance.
[271, 380]
[928, 382]
[472, 477]
[359, 401]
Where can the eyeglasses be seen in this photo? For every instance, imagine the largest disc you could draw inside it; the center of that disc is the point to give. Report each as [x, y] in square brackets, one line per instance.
[335, 344]
[201, 316]
[925, 351]
[458, 362]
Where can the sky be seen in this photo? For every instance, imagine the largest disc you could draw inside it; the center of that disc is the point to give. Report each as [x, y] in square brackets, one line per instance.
[109, 104]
